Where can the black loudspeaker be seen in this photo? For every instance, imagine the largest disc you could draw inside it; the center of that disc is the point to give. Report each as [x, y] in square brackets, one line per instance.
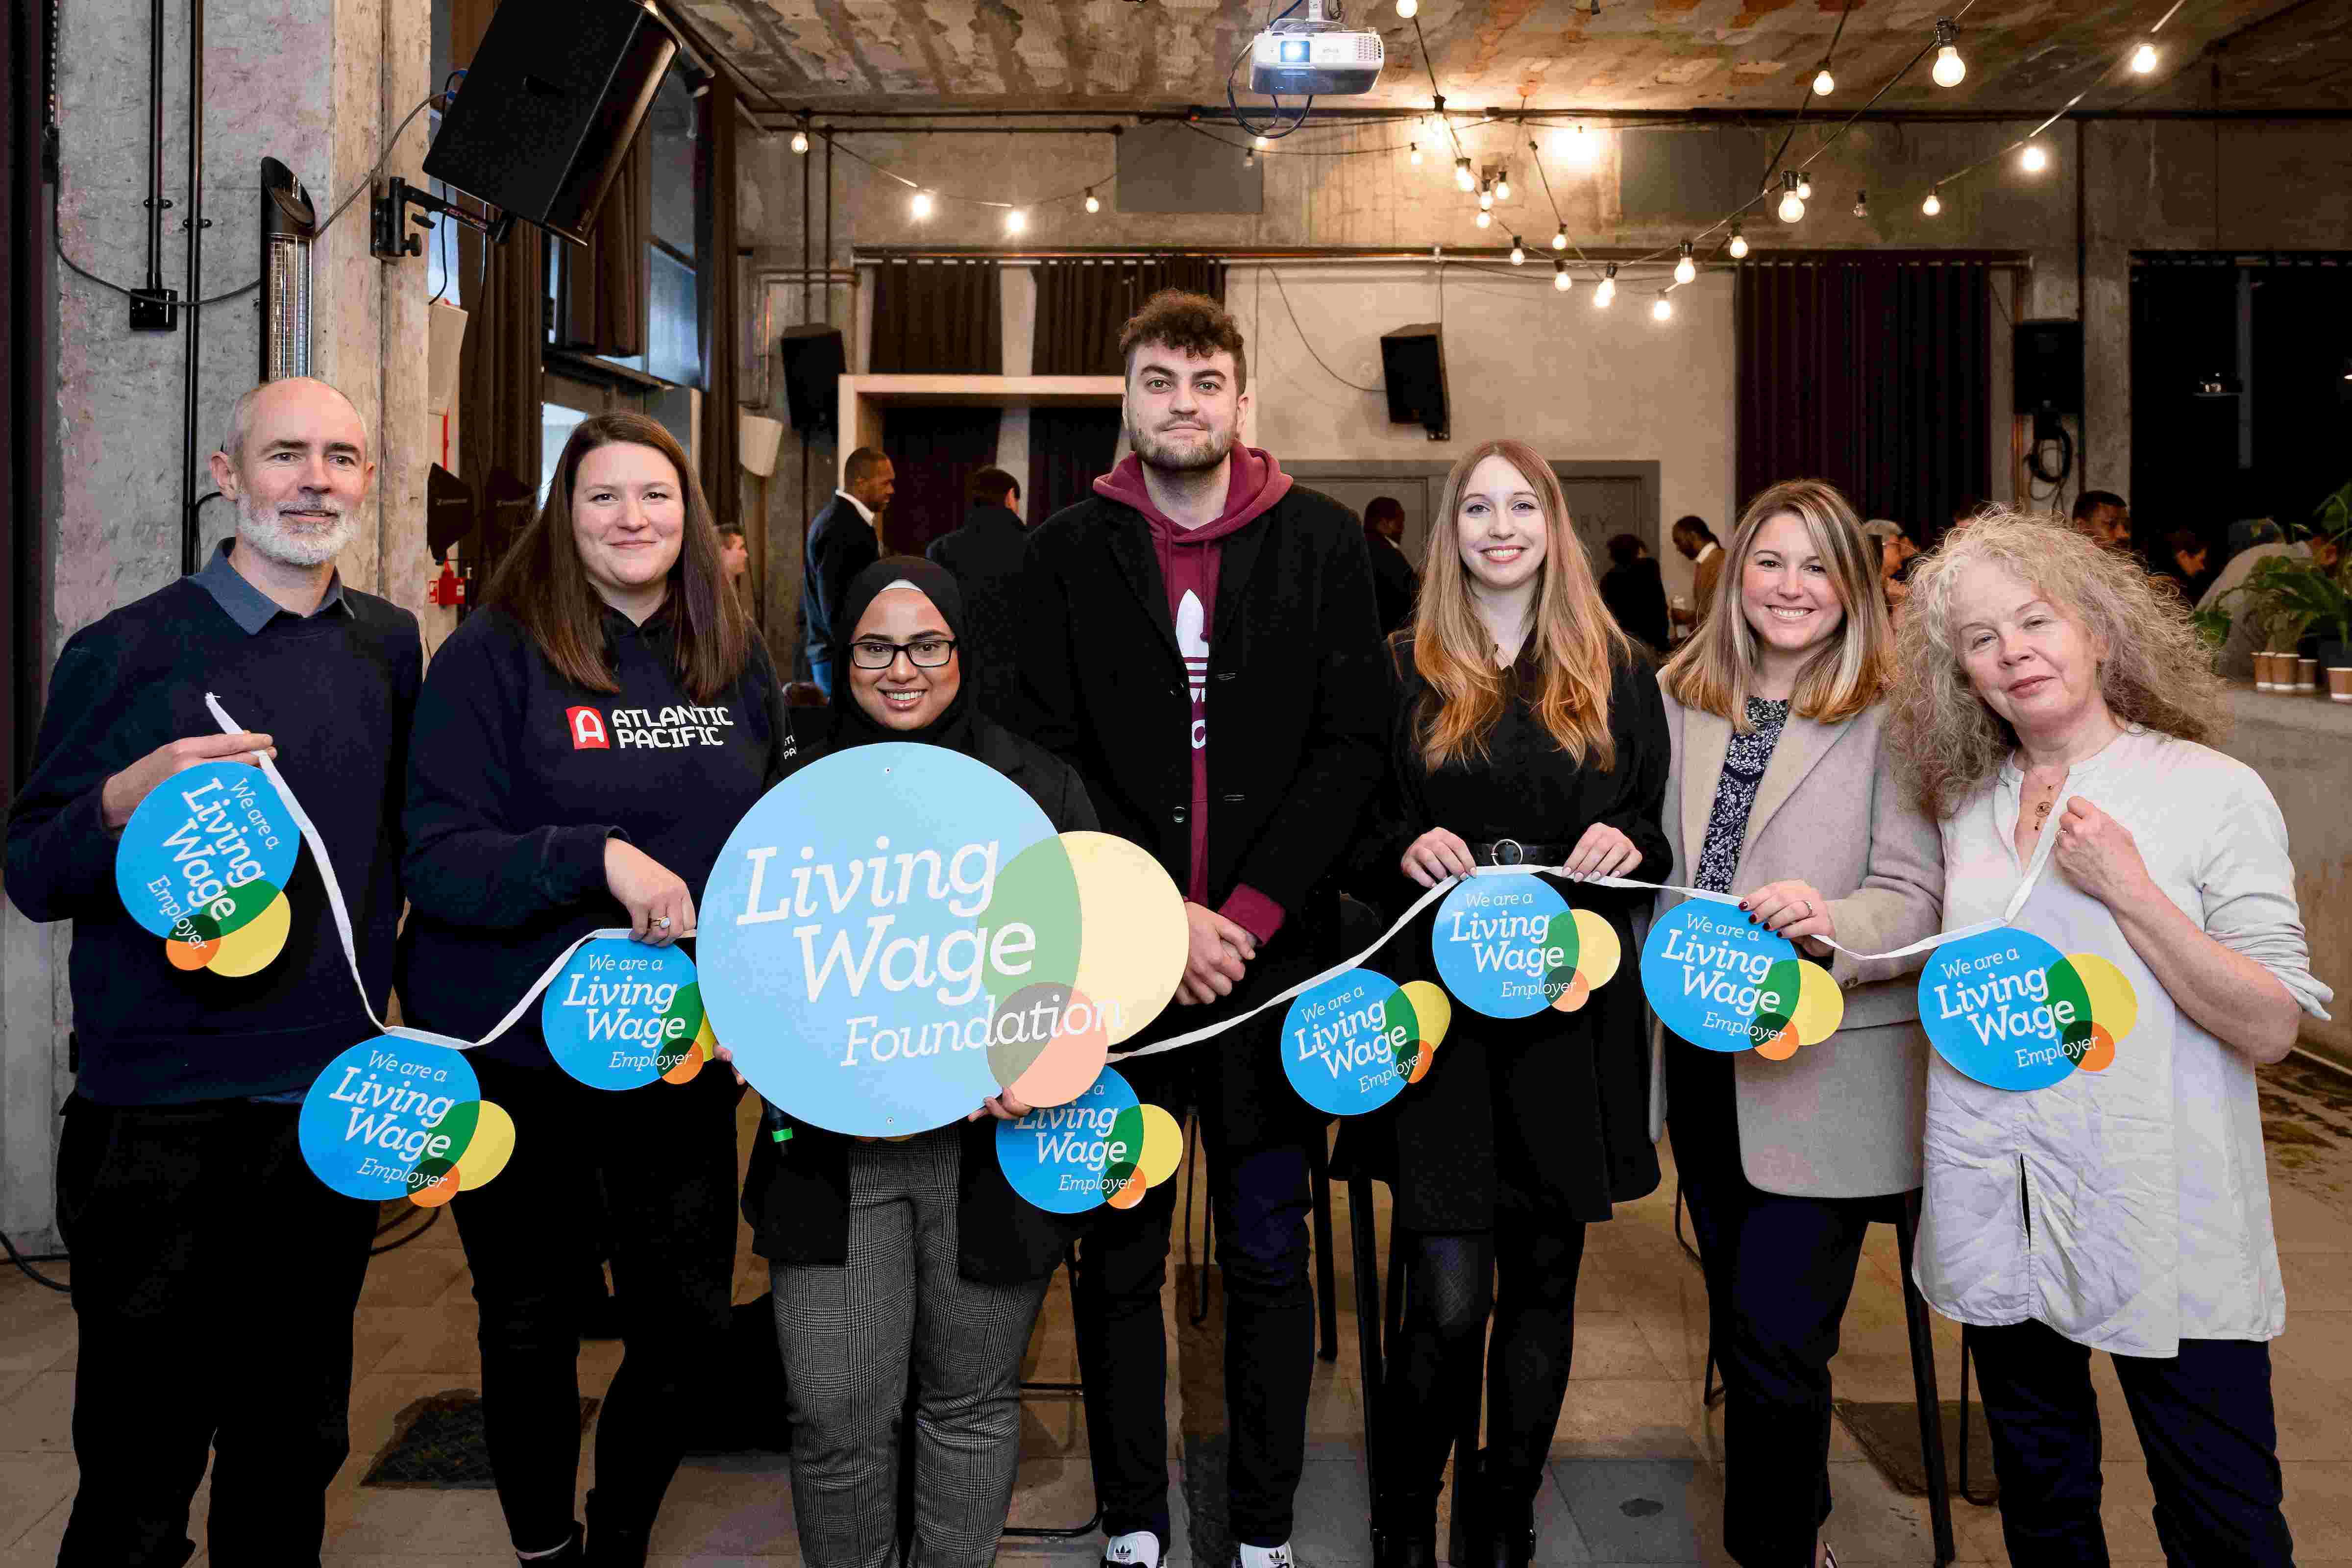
[1413, 364]
[549, 107]
[2046, 367]
[450, 511]
[814, 364]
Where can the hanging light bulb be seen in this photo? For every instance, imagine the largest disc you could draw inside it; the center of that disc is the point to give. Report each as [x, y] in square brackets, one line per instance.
[1093, 203]
[800, 142]
[1563, 282]
[2035, 159]
[1933, 205]
[1804, 187]
[1249, 158]
[1502, 188]
[1738, 247]
[1416, 154]
[1685, 270]
[2143, 58]
[1485, 218]
[1408, 8]
[1862, 204]
[1792, 205]
[1949, 67]
[1518, 252]
[1663, 311]
[1487, 199]
[1462, 177]
[1015, 220]
[1263, 143]
[1579, 147]
[1824, 84]
[1608, 290]
[1560, 238]
[920, 204]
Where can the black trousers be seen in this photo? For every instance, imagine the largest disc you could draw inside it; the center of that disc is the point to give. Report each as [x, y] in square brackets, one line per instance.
[649, 1172]
[1779, 1271]
[214, 1281]
[2204, 1419]
[1261, 1199]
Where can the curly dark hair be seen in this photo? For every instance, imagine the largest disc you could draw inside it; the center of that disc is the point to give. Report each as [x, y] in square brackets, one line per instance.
[1188, 323]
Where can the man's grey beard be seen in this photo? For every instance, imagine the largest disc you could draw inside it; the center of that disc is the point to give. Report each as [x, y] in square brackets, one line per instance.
[268, 533]
[1154, 453]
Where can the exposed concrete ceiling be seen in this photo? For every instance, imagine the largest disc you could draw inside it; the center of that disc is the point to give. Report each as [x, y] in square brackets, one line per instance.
[2022, 56]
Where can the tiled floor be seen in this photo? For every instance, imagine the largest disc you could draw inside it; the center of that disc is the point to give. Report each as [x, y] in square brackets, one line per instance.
[1634, 1477]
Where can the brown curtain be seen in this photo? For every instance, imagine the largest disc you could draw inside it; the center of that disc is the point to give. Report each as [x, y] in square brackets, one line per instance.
[1081, 305]
[933, 451]
[28, 294]
[600, 287]
[498, 367]
[938, 317]
[1871, 371]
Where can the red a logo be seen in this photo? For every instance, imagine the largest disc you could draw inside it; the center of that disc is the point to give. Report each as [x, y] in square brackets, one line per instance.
[587, 730]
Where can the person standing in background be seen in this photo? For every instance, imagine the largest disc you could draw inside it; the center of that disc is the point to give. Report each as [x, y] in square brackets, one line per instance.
[1635, 593]
[734, 555]
[214, 1276]
[985, 556]
[1395, 585]
[1695, 541]
[845, 540]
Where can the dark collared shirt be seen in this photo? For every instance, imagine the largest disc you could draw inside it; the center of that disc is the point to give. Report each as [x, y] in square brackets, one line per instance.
[248, 606]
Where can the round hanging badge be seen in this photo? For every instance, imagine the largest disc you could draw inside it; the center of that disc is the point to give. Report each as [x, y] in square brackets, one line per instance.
[399, 1118]
[1352, 1044]
[1102, 1147]
[896, 932]
[2012, 1012]
[620, 1015]
[1510, 947]
[1725, 984]
[203, 863]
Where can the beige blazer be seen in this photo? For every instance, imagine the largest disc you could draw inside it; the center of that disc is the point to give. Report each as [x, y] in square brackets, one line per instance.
[1840, 1119]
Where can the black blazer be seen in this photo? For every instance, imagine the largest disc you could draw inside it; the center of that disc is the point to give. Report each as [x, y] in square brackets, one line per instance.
[985, 554]
[796, 1194]
[1396, 586]
[840, 546]
[1636, 595]
[1298, 717]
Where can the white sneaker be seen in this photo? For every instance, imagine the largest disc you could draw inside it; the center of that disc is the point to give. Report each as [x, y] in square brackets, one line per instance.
[1136, 1548]
[1263, 1556]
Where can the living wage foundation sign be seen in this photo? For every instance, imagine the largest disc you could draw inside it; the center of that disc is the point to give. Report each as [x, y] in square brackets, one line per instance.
[621, 1015]
[395, 1118]
[203, 864]
[1724, 983]
[1510, 947]
[2010, 1011]
[895, 933]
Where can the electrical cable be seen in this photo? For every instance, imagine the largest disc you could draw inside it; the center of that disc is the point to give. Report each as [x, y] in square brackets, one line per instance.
[1234, 107]
[1318, 358]
[890, 174]
[367, 182]
[34, 1275]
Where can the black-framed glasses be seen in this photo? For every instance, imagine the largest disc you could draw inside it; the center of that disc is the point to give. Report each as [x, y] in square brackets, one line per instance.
[923, 653]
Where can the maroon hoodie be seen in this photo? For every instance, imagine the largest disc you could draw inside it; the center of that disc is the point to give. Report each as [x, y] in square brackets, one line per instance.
[1189, 560]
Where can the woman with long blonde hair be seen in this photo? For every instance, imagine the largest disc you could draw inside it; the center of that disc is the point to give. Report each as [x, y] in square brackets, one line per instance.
[1527, 730]
[1784, 792]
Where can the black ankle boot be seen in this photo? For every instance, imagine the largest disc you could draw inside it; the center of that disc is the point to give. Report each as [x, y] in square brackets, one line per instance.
[573, 1555]
[1411, 1545]
[1502, 1520]
[615, 1543]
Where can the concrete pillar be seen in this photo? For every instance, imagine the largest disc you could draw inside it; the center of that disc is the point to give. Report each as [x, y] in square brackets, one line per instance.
[317, 84]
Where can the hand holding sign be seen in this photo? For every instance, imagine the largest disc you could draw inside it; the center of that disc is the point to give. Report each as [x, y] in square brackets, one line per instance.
[121, 795]
[203, 863]
[1796, 911]
[1724, 983]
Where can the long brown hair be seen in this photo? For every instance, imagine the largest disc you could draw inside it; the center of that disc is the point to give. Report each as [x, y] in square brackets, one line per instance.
[1716, 669]
[542, 585]
[1578, 643]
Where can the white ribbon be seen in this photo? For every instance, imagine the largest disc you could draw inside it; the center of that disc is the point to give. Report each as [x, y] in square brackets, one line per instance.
[342, 914]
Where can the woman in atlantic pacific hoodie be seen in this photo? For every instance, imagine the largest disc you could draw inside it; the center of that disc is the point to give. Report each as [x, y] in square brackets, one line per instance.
[583, 745]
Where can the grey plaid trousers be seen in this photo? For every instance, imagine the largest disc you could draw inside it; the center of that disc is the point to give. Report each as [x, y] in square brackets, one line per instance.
[848, 1333]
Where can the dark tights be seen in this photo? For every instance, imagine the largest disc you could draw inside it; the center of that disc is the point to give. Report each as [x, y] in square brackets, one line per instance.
[1449, 1286]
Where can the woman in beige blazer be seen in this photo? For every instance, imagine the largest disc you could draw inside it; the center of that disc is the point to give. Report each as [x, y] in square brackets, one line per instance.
[1783, 791]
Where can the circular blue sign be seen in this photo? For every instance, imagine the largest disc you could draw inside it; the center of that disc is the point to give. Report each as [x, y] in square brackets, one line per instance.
[1708, 972]
[1505, 946]
[1999, 1007]
[389, 1118]
[206, 852]
[620, 1014]
[1061, 1157]
[1341, 1040]
[863, 923]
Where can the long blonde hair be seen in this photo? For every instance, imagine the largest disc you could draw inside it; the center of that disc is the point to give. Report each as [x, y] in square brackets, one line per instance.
[2157, 671]
[1717, 670]
[1578, 646]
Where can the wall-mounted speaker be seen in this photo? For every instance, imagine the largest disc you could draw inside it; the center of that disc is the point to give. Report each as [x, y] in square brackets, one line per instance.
[549, 106]
[2046, 367]
[814, 364]
[1412, 366]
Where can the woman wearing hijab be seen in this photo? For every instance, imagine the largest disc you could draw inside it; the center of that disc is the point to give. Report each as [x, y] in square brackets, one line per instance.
[888, 1254]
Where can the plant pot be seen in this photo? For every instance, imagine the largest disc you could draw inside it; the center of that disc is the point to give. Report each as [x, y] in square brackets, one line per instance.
[2265, 672]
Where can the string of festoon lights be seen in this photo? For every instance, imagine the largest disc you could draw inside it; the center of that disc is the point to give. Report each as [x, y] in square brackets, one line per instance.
[1575, 145]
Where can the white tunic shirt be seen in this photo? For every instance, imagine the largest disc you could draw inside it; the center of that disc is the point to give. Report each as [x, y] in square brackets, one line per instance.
[2128, 1209]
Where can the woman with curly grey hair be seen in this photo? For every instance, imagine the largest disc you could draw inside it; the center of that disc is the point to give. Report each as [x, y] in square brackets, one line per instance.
[2056, 706]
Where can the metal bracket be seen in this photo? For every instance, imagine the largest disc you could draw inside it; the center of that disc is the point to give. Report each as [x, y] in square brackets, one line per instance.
[390, 236]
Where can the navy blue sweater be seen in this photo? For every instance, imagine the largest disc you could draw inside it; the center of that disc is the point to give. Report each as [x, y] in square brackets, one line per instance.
[518, 776]
[336, 691]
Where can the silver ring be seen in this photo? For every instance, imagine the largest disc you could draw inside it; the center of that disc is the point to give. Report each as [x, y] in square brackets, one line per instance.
[662, 924]
[1806, 916]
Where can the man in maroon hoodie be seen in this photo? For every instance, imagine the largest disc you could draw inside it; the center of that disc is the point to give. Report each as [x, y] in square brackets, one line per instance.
[1201, 644]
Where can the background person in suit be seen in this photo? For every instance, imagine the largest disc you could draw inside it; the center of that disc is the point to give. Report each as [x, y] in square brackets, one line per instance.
[985, 555]
[1781, 773]
[1395, 585]
[1697, 541]
[845, 540]
[1634, 593]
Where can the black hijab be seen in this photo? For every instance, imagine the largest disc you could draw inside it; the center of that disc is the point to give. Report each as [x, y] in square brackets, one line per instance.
[958, 727]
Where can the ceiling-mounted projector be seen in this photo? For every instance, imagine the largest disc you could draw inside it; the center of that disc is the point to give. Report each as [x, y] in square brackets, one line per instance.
[1315, 56]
